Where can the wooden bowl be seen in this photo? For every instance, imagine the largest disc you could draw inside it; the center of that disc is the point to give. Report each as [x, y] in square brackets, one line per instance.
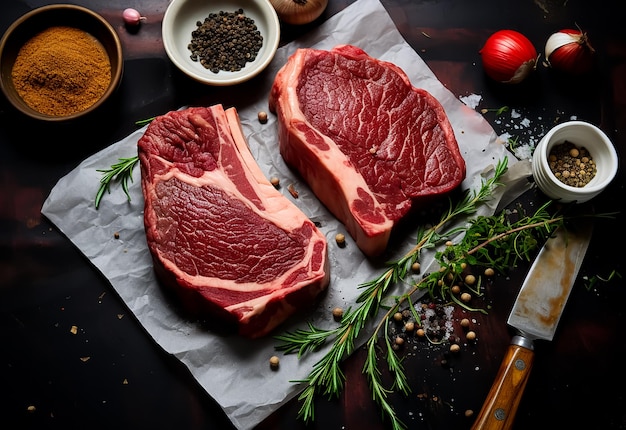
[40, 19]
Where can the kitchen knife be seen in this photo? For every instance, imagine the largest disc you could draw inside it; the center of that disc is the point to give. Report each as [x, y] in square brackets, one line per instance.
[535, 315]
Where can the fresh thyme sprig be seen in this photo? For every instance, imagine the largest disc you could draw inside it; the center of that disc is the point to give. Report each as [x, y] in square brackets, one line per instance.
[591, 282]
[326, 376]
[518, 240]
[121, 171]
[498, 111]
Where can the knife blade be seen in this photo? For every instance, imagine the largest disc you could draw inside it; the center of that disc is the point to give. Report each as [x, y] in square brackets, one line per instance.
[535, 315]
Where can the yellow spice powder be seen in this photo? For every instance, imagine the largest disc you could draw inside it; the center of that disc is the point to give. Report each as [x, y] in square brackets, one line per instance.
[61, 71]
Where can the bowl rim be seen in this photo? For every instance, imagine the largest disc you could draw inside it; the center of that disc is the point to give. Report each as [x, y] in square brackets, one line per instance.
[544, 148]
[116, 73]
[175, 6]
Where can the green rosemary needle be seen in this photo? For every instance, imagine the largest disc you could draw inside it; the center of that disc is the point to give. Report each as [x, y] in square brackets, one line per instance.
[121, 171]
[326, 377]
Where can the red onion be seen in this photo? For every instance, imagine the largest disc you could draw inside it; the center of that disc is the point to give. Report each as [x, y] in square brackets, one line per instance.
[508, 56]
[569, 51]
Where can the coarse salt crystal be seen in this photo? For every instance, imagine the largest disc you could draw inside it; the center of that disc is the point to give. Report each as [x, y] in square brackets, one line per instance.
[471, 100]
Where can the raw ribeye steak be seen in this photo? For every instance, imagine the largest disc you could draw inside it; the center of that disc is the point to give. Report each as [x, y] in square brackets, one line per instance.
[368, 143]
[229, 244]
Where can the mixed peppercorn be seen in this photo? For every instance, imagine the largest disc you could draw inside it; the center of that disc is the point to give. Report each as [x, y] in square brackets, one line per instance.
[572, 165]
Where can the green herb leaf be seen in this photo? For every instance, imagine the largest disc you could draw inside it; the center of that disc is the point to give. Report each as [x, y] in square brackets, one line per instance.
[326, 377]
[121, 171]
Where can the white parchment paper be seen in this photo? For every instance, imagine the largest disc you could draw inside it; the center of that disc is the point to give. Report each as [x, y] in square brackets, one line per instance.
[235, 371]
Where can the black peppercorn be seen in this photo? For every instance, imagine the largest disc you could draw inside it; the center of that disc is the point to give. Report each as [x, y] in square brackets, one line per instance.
[225, 41]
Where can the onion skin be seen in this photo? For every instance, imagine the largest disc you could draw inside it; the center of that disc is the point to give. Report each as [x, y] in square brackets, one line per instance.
[508, 56]
[570, 51]
[298, 12]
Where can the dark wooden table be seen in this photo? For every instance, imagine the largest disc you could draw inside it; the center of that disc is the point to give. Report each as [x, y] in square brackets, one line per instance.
[47, 286]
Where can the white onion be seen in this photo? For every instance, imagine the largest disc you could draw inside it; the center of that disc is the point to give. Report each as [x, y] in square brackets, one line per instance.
[298, 12]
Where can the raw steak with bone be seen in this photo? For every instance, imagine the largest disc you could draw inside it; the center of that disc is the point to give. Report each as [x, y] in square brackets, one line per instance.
[221, 236]
[368, 143]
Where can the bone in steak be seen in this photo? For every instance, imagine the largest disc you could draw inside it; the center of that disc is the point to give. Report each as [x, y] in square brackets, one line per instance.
[368, 143]
[229, 244]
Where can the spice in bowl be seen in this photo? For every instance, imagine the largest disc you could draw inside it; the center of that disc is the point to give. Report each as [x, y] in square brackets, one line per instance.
[572, 165]
[61, 71]
[563, 149]
[225, 41]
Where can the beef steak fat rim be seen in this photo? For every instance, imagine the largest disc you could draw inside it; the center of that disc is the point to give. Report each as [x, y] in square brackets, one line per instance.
[369, 144]
[231, 246]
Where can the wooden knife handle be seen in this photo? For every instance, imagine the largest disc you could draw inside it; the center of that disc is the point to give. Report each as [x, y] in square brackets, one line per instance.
[498, 411]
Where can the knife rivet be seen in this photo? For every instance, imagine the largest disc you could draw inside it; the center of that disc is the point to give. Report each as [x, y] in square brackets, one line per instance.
[500, 414]
[520, 364]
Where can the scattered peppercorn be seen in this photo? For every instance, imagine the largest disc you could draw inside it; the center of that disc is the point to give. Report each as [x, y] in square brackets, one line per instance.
[489, 271]
[465, 323]
[470, 279]
[572, 165]
[337, 314]
[455, 289]
[471, 336]
[292, 190]
[116, 235]
[225, 41]
[262, 117]
[469, 413]
[455, 348]
[274, 361]
[340, 239]
[399, 340]
[275, 181]
[415, 267]
[466, 297]
[409, 326]
[420, 332]
[397, 316]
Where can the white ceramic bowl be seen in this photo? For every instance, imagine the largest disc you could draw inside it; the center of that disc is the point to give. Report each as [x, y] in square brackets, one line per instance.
[181, 19]
[581, 134]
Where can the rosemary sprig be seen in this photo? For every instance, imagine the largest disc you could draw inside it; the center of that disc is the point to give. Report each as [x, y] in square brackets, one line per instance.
[520, 241]
[143, 122]
[121, 171]
[326, 376]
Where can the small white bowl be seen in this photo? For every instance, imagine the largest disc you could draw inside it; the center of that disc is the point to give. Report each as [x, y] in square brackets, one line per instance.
[181, 18]
[581, 134]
